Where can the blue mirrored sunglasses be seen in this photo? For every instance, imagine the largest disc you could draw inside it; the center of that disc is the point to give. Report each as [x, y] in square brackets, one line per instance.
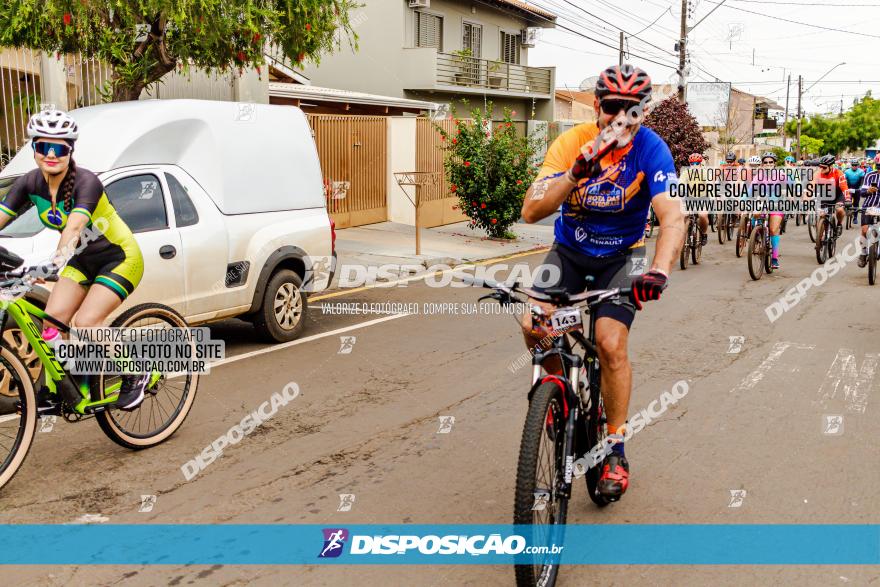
[60, 149]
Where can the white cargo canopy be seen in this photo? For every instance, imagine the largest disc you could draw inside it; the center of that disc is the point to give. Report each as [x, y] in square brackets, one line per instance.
[248, 157]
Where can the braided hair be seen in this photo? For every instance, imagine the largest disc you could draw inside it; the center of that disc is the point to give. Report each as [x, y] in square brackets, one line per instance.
[65, 190]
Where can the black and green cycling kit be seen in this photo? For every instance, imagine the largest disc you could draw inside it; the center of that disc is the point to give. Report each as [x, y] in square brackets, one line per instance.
[113, 259]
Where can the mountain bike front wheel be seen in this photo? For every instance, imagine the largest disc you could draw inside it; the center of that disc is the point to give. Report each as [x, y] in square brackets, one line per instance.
[757, 251]
[167, 401]
[17, 426]
[540, 468]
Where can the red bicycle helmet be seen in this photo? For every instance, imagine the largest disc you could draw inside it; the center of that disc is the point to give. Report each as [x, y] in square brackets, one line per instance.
[625, 81]
[695, 158]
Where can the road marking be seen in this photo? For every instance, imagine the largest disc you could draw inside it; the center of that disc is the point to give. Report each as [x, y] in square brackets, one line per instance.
[856, 382]
[285, 345]
[386, 284]
[755, 377]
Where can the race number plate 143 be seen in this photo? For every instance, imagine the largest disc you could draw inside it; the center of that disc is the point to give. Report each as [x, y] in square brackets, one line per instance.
[565, 318]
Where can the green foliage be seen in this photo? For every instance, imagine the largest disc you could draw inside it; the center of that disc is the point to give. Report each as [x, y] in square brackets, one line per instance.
[810, 146]
[781, 154]
[146, 39]
[489, 170]
[857, 129]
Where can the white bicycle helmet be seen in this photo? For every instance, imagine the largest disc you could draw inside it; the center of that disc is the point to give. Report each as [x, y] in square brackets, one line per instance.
[754, 160]
[52, 124]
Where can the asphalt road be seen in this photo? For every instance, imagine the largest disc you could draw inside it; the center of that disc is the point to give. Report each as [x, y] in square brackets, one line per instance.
[366, 423]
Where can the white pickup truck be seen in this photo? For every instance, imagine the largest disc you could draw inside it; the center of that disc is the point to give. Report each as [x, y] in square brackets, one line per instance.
[225, 199]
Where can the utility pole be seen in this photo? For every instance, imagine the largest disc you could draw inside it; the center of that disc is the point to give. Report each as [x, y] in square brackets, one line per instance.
[841, 105]
[621, 48]
[785, 120]
[682, 41]
[800, 91]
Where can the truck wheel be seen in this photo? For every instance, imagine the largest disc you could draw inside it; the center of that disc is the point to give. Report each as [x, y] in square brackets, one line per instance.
[282, 314]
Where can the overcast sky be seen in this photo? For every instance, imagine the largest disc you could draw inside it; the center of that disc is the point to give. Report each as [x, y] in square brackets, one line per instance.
[723, 44]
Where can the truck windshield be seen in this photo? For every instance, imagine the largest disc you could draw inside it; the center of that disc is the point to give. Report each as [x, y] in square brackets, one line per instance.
[25, 225]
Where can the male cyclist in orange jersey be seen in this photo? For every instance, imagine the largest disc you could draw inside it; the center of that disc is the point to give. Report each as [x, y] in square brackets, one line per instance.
[605, 179]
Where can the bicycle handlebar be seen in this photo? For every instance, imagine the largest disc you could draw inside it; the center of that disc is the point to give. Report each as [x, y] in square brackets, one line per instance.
[28, 275]
[559, 298]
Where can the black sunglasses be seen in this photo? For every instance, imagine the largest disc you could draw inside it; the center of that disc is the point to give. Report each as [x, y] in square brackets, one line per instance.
[613, 107]
[766, 161]
[60, 149]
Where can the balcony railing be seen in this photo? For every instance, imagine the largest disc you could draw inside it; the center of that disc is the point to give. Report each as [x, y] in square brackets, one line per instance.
[473, 72]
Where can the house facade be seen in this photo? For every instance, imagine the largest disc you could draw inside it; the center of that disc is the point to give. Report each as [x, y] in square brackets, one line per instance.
[455, 52]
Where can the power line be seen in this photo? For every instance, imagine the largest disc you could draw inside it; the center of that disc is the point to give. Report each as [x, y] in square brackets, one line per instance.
[580, 34]
[823, 4]
[815, 26]
[584, 10]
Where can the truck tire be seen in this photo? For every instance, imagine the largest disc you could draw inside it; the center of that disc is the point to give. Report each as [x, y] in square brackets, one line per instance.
[282, 314]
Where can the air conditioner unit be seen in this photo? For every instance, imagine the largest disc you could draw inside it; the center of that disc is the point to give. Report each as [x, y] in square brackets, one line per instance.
[530, 36]
[419, 3]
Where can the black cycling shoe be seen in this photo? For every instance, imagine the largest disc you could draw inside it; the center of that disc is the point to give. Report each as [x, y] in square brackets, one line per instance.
[839, 230]
[863, 260]
[615, 477]
[48, 404]
[704, 240]
[131, 394]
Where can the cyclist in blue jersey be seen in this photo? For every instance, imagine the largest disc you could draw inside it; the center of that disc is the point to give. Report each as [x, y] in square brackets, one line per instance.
[606, 179]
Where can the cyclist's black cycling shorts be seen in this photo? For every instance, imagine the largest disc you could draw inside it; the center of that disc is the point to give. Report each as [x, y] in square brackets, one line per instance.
[113, 267]
[607, 272]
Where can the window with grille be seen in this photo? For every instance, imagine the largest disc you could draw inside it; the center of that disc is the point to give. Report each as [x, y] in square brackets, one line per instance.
[510, 48]
[429, 30]
[472, 38]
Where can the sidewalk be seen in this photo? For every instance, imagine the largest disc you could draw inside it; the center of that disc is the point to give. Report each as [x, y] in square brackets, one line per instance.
[453, 244]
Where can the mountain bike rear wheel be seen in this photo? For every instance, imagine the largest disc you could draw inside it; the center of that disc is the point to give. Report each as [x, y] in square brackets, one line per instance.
[17, 427]
[722, 228]
[166, 403]
[541, 466]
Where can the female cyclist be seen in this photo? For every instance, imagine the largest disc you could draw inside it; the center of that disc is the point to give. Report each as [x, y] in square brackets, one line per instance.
[69, 199]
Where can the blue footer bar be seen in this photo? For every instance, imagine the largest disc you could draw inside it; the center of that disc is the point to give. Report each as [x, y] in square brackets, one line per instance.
[275, 544]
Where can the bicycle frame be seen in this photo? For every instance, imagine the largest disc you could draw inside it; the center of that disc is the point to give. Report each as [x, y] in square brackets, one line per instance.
[21, 311]
[573, 401]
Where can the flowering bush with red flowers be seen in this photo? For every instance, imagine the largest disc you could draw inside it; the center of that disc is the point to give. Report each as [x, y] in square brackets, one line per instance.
[489, 167]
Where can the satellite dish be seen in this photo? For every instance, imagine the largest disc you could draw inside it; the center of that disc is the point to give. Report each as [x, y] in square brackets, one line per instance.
[589, 84]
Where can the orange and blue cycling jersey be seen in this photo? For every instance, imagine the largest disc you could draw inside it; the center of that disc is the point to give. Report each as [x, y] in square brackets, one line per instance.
[606, 215]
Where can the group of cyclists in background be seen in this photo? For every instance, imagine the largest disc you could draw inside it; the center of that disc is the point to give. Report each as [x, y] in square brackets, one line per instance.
[856, 182]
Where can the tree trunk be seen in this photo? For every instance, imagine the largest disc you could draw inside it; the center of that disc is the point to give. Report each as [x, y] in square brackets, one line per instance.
[126, 93]
[151, 47]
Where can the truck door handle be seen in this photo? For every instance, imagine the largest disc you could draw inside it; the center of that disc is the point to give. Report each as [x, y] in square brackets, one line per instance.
[167, 252]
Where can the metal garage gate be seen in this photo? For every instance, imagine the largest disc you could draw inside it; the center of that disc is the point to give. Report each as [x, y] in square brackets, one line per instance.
[438, 204]
[354, 155]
